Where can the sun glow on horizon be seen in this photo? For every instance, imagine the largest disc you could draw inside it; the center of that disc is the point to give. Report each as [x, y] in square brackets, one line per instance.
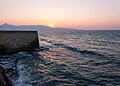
[51, 25]
[61, 13]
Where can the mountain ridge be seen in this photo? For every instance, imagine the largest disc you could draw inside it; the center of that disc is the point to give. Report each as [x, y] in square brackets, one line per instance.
[7, 26]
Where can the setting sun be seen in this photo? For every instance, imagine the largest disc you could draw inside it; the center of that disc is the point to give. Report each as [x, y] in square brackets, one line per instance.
[51, 25]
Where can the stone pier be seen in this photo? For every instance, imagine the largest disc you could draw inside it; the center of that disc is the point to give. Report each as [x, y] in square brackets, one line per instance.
[13, 41]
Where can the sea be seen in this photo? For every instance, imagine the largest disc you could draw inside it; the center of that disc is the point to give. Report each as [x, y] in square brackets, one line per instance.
[68, 58]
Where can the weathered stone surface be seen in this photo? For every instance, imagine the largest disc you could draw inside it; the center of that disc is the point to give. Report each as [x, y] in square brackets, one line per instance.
[12, 41]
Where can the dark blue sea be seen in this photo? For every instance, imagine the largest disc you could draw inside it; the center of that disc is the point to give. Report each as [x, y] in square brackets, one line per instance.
[69, 58]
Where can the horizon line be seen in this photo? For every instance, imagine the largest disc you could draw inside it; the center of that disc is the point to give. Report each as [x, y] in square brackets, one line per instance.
[79, 28]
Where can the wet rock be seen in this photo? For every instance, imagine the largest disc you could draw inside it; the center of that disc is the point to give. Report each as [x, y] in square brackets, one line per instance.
[1, 76]
[4, 80]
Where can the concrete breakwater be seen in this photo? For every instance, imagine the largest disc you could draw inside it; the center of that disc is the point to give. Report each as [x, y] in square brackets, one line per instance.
[12, 41]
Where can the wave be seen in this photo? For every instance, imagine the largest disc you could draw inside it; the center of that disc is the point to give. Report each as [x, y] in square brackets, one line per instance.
[23, 78]
[45, 44]
[75, 49]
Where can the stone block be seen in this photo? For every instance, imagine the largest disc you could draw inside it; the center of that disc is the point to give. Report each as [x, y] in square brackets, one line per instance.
[12, 41]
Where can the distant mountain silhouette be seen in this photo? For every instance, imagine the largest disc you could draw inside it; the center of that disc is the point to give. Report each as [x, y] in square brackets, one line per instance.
[7, 26]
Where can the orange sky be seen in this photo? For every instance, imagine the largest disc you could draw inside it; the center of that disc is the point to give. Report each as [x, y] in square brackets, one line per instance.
[61, 13]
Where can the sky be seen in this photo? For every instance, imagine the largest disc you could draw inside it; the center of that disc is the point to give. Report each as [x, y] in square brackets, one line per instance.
[62, 13]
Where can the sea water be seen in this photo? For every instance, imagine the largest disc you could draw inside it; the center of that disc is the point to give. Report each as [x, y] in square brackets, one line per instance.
[70, 58]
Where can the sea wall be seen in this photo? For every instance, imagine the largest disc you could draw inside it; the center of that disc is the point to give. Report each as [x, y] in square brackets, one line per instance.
[12, 41]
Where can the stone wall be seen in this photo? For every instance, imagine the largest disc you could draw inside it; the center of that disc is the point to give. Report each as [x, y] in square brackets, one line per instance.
[12, 41]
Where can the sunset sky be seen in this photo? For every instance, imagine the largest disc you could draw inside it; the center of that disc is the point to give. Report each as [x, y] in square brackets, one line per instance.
[62, 13]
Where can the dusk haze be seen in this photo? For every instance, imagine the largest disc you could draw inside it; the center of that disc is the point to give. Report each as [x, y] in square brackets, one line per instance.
[81, 14]
[59, 42]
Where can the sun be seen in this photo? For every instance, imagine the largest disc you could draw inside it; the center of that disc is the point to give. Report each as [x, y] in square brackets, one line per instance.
[51, 25]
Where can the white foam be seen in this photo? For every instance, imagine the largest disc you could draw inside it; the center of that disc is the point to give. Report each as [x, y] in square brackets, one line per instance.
[23, 78]
[45, 44]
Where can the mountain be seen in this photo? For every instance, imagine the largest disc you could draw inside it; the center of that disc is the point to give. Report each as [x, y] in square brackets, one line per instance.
[7, 26]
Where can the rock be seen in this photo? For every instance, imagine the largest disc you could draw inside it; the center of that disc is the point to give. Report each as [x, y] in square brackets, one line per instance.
[13, 41]
[1, 76]
[4, 80]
